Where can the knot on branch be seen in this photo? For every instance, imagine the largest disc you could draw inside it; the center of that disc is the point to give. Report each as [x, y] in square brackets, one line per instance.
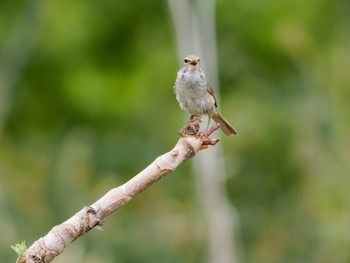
[90, 220]
[192, 128]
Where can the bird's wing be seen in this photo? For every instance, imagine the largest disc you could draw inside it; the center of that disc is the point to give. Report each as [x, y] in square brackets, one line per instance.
[212, 92]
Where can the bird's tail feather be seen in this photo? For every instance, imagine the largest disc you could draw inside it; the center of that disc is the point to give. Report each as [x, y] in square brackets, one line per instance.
[225, 126]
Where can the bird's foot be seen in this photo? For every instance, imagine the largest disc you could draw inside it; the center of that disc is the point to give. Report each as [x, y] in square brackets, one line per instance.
[212, 129]
[192, 128]
[206, 141]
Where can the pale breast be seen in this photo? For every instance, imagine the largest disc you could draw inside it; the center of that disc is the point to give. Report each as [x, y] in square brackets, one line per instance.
[192, 94]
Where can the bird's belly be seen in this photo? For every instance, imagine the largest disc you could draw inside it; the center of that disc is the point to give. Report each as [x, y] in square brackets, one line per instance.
[197, 104]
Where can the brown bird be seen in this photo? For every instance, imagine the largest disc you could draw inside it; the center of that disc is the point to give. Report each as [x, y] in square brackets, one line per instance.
[196, 96]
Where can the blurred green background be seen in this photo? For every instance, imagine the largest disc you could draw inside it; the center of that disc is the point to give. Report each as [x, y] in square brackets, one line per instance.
[87, 102]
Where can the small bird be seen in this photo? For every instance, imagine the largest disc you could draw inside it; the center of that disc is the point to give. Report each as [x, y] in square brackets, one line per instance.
[196, 96]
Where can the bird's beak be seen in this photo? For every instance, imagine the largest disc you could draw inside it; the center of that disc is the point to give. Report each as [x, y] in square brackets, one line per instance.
[193, 63]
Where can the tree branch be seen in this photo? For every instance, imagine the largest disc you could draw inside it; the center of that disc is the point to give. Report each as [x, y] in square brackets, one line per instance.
[50, 246]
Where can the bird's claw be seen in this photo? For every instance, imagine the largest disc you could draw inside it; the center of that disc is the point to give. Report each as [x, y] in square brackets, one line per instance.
[207, 141]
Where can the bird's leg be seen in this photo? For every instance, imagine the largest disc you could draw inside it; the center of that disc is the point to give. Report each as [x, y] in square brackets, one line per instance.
[206, 128]
[208, 131]
[212, 129]
[209, 119]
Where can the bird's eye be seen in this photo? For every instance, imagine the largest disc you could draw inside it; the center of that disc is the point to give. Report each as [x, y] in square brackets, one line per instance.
[198, 59]
[186, 60]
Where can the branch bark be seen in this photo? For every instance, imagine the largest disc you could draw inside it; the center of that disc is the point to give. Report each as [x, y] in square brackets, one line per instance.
[46, 248]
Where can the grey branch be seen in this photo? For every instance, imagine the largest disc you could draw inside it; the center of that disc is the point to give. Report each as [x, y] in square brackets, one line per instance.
[50, 246]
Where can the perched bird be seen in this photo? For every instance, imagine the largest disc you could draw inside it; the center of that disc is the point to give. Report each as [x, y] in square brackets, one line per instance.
[196, 96]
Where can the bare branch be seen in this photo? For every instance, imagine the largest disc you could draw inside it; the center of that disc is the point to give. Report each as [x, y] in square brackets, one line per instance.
[50, 246]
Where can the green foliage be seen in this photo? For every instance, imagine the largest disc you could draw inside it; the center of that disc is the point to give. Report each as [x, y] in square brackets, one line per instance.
[94, 105]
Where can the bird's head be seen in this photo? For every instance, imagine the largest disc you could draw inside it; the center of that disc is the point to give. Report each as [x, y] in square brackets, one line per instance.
[191, 61]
